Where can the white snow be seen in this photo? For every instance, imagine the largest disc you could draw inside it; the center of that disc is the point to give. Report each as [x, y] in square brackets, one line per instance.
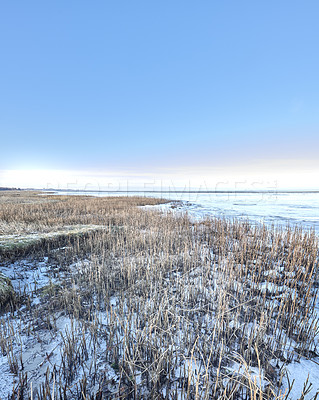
[299, 372]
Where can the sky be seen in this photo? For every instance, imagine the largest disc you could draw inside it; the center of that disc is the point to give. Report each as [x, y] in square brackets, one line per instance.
[149, 93]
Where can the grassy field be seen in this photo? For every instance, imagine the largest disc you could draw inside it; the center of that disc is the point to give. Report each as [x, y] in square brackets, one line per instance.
[112, 301]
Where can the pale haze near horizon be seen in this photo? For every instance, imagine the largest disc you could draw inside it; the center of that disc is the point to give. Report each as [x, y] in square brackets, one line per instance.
[149, 95]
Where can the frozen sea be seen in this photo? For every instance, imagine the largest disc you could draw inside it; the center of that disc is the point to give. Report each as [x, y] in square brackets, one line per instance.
[279, 208]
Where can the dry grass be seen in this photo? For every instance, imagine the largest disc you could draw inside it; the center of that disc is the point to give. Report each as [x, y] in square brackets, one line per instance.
[25, 212]
[174, 310]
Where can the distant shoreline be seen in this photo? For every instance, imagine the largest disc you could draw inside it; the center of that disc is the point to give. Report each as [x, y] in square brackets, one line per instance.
[177, 191]
[315, 191]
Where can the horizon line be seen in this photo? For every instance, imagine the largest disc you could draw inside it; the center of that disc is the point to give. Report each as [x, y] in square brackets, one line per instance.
[164, 191]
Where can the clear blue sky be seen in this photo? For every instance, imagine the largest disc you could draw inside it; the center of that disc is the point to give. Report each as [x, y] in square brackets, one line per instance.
[159, 86]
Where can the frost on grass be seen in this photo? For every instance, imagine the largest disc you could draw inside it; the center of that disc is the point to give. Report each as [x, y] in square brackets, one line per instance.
[20, 242]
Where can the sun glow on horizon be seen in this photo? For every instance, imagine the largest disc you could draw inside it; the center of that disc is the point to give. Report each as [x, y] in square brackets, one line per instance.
[281, 175]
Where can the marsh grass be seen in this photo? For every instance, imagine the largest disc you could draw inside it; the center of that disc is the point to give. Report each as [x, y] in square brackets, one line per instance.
[159, 307]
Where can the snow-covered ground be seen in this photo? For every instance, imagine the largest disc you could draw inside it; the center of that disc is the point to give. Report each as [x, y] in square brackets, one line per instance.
[38, 340]
[42, 347]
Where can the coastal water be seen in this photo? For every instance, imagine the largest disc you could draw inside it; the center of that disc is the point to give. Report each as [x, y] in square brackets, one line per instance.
[279, 208]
